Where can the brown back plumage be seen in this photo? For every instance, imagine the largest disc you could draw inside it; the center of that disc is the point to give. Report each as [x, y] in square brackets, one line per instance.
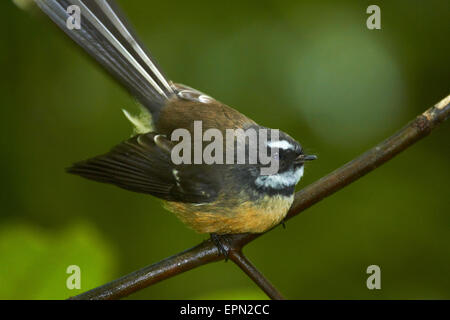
[180, 113]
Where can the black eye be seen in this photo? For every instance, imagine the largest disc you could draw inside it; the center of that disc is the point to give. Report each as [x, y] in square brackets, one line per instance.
[292, 154]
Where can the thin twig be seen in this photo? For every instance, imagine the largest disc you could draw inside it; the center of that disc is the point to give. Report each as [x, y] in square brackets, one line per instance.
[241, 260]
[207, 252]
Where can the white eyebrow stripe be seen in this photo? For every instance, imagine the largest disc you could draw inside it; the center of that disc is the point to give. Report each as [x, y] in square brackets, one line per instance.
[281, 144]
[281, 180]
[126, 34]
[116, 43]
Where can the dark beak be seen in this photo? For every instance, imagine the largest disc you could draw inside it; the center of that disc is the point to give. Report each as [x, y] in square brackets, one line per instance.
[305, 157]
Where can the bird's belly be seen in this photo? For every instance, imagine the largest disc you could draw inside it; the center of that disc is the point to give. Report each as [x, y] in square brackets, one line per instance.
[249, 216]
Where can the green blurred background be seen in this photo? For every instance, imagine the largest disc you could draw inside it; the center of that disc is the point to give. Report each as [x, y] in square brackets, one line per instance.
[310, 68]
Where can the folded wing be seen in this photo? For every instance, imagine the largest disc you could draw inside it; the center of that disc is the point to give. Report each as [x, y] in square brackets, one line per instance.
[143, 164]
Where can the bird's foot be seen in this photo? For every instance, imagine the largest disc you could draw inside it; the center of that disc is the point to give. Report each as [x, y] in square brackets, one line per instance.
[222, 243]
[283, 223]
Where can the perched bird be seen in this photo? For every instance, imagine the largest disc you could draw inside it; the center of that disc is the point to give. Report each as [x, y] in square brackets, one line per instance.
[210, 198]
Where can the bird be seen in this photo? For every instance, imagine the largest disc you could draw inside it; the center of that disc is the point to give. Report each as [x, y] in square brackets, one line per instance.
[215, 198]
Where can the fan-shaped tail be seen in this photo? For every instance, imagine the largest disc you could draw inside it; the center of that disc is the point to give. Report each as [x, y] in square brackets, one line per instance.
[106, 35]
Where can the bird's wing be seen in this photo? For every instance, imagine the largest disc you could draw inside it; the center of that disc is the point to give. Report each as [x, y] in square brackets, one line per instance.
[143, 164]
[106, 35]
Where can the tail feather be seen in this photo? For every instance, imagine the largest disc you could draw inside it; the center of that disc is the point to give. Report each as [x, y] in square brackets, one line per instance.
[106, 35]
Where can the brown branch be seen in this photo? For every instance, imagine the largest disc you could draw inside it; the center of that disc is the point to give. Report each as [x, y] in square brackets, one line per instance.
[207, 252]
[241, 260]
